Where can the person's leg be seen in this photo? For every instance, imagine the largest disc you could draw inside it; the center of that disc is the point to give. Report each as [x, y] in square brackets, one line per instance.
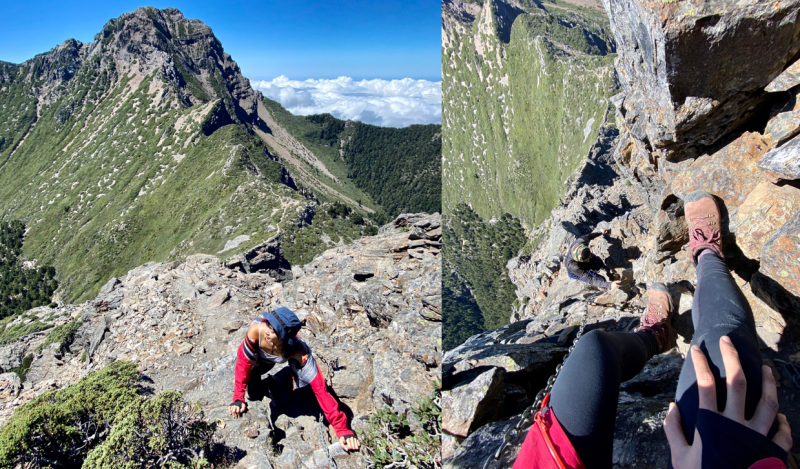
[719, 309]
[259, 385]
[584, 396]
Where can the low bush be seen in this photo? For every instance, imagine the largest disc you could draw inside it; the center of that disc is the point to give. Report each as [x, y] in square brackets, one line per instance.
[390, 441]
[63, 334]
[105, 420]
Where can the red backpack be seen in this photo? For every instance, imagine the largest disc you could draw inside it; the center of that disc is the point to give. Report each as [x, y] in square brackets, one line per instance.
[547, 446]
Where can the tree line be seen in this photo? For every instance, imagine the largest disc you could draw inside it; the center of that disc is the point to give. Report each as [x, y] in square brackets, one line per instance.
[21, 288]
[475, 277]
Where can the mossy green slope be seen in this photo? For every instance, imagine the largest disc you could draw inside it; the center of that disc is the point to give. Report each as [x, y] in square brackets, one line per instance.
[111, 187]
[525, 91]
[520, 115]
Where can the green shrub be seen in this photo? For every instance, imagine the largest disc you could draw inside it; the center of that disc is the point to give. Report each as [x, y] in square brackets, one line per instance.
[22, 370]
[105, 420]
[390, 442]
[63, 334]
[161, 432]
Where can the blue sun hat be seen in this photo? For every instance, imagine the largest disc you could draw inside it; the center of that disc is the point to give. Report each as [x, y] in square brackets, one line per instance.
[285, 323]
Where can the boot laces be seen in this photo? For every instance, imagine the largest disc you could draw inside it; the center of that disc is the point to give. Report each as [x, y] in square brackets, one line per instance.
[654, 314]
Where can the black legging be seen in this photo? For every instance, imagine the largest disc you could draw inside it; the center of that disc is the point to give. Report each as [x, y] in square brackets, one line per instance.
[719, 309]
[584, 397]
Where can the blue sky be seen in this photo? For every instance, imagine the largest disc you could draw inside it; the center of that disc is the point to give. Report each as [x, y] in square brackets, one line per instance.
[386, 39]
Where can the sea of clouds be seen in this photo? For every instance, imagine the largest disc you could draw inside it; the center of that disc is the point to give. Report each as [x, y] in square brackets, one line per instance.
[388, 103]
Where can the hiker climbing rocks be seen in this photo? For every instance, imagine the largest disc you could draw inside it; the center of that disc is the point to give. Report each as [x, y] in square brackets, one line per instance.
[575, 426]
[272, 338]
[583, 265]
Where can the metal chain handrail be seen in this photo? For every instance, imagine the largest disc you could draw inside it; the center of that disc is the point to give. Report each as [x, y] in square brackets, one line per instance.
[513, 434]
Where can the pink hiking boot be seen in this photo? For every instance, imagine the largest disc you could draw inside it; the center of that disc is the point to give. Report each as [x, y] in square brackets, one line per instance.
[656, 319]
[702, 216]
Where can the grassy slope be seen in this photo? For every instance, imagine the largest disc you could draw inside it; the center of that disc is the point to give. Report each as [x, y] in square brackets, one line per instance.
[102, 192]
[398, 170]
[509, 148]
[518, 119]
[300, 127]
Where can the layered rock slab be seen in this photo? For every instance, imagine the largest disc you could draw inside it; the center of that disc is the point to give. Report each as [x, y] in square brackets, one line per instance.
[765, 210]
[782, 162]
[681, 70]
[729, 174]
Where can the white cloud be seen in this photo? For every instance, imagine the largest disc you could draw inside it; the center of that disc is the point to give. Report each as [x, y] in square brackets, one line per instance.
[389, 103]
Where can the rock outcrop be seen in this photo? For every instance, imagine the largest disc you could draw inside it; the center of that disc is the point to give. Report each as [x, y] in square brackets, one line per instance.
[681, 69]
[690, 117]
[372, 313]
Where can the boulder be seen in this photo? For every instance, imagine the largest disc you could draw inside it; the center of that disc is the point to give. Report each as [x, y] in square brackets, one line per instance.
[780, 267]
[218, 298]
[10, 386]
[786, 124]
[730, 173]
[783, 162]
[765, 210]
[481, 445]
[669, 225]
[614, 297]
[680, 65]
[399, 381]
[472, 402]
[789, 78]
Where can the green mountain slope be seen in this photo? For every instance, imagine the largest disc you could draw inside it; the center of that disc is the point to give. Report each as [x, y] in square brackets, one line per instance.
[399, 169]
[148, 144]
[525, 90]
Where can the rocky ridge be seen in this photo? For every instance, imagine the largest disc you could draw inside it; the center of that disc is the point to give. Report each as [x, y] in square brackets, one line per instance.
[632, 183]
[372, 313]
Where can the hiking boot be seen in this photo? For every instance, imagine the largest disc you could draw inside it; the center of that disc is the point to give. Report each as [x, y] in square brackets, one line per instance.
[703, 219]
[656, 319]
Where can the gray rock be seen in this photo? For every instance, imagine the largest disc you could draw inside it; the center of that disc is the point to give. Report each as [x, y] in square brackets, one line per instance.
[789, 78]
[10, 386]
[472, 403]
[783, 162]
[665, 52]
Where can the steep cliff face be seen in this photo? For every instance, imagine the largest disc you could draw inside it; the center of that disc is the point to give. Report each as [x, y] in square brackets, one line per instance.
[372, 313]
[525, 88]
[633, 184]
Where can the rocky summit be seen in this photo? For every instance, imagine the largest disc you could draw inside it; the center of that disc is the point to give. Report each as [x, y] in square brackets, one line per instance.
[690, 117]
[372, 314]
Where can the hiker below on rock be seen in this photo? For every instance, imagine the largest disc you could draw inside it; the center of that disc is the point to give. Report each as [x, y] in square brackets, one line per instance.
[575, 426]
[272, 338]
[583, 265]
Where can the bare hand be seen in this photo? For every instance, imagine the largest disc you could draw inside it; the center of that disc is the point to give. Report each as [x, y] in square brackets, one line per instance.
[605, 231]
[615, 285]
[685, 456]
[349, 443]
[237, 411]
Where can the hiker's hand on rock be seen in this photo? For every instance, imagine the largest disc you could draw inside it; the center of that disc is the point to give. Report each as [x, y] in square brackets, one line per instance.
[605, 231]
[615, 285]
[349, 443]
[236, 410]
[685, 456]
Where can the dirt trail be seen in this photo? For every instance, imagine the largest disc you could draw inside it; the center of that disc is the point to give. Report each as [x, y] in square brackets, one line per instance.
[279, 140]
